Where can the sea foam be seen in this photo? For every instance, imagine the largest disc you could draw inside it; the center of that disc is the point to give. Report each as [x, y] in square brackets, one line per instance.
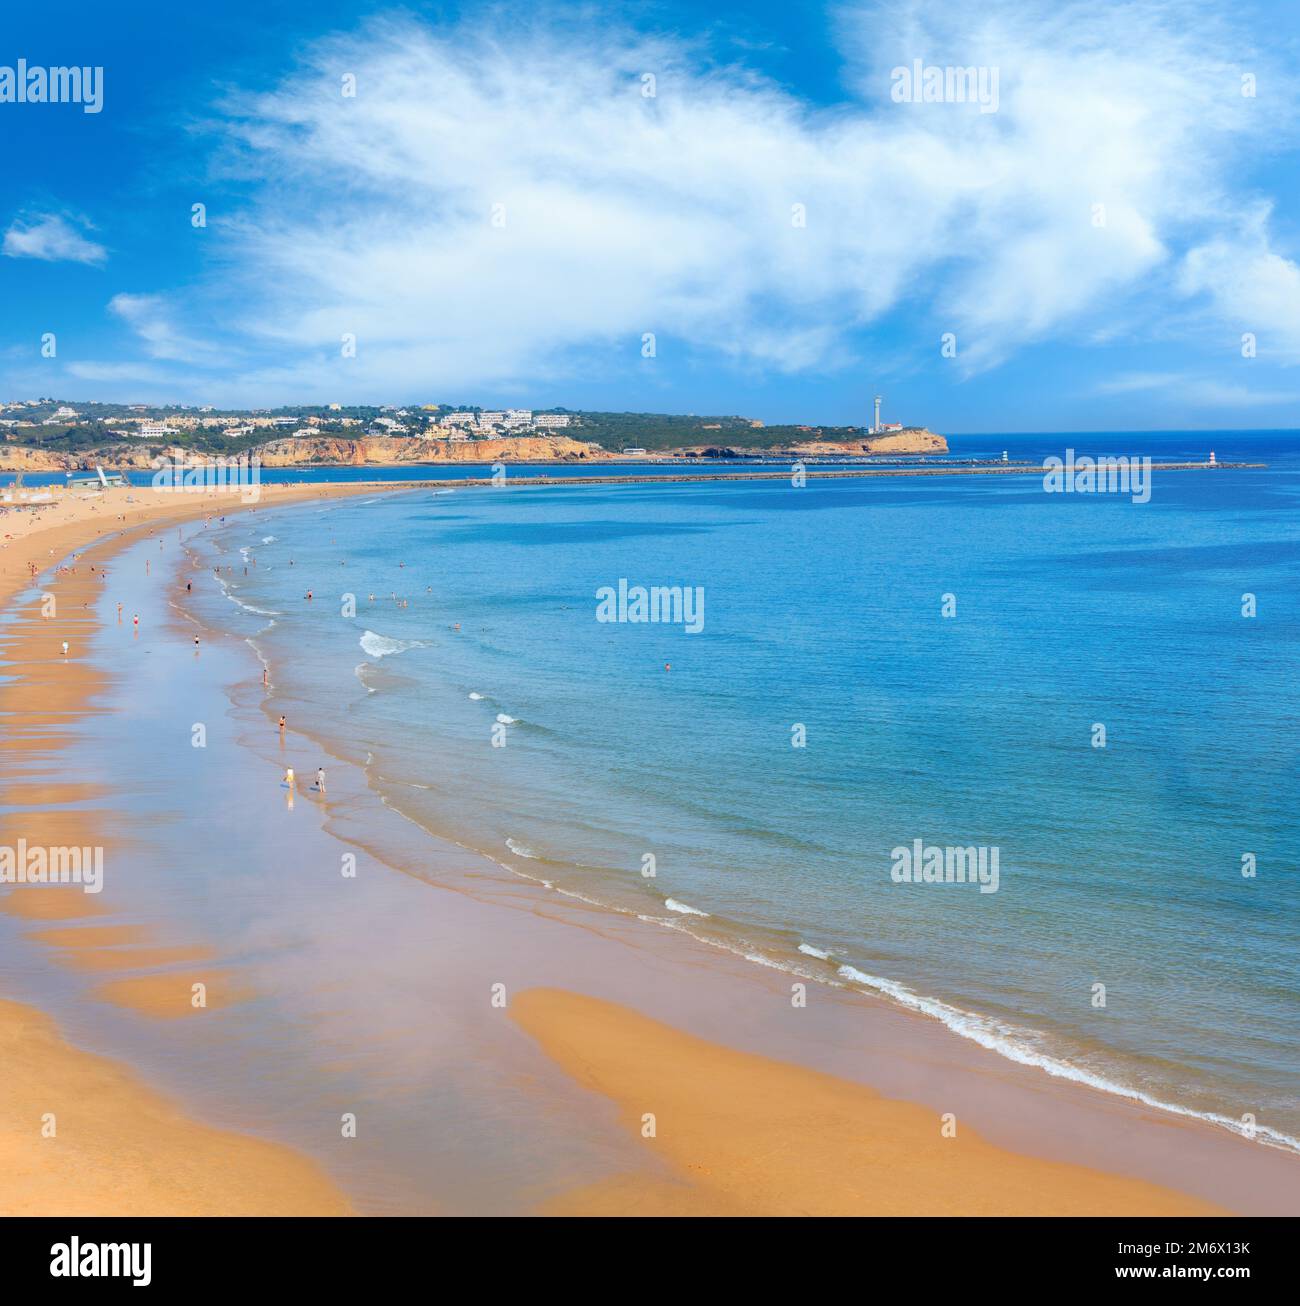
[674, 904]
[380, 646]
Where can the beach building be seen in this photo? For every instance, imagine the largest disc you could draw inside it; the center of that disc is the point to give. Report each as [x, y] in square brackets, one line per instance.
[98, 480]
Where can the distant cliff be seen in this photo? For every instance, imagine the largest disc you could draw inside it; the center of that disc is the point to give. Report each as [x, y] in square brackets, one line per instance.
[378, 451]
[912, 441]
[366, 451]
[14, 458]
[386, 451]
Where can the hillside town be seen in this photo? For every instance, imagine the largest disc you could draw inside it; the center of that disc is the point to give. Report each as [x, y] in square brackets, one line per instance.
[24, 420]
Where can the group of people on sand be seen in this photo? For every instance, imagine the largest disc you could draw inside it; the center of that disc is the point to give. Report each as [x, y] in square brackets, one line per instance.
[290, 780]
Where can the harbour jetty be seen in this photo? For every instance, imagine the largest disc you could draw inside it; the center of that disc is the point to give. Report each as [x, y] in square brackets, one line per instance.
[812, 473]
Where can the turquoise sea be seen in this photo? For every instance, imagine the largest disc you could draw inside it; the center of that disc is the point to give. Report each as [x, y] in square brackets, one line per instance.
[828, 712]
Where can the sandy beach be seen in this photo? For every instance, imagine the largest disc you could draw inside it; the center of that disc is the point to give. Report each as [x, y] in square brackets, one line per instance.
[81, 1135]
[627, 1072]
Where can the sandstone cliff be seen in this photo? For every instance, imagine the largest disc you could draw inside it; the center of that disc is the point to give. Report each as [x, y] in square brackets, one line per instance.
[915, 441]
[382, 451]
[14, 458]
[368, 451]
[373, 450]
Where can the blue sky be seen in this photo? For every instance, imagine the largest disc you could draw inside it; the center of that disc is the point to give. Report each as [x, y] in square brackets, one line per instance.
[506, 207]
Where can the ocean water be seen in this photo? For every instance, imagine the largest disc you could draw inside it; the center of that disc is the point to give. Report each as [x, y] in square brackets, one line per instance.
[1123, 945]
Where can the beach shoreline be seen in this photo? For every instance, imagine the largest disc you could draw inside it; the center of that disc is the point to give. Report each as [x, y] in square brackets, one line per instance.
[1146, 1161]
[92, 1114]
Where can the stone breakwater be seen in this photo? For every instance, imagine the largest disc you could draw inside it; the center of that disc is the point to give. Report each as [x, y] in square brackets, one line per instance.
[997, 469]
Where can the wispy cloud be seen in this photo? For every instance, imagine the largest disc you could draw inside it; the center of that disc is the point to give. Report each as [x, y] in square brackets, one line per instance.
[52, 237]
[1194, 389]
[1249, 284]
[151, 318]
[109, 372]
[1140, 382]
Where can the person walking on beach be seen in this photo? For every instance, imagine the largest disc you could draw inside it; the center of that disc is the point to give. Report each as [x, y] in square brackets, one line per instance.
[65, 648]
[289, 779]
[282, 727]
[320, 779]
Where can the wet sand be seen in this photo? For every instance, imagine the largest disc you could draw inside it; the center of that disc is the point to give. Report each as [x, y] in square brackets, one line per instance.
[759, 1108]
[78, 1133]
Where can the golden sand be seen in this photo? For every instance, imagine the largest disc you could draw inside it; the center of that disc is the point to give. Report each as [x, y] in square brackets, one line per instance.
[120, 1149]
[100, 958]
[177, 994]
[89, 936]
[49, 903]
[737, 1134]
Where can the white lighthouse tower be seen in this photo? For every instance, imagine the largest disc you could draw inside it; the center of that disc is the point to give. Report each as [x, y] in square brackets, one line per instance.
[875, 426]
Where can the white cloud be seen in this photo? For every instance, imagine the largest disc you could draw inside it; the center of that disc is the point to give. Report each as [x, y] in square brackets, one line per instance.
[1138, 382]
[1250, 285]
[53, 238]
[1198, 390]
[151, 318]
[90, 370]
[623, 214]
